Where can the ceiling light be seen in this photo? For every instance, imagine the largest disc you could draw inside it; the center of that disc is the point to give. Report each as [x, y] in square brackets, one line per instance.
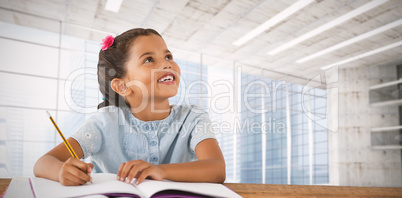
[113, 5]
[329, 25]
[369, 53]
[352, 40]
[273, 21]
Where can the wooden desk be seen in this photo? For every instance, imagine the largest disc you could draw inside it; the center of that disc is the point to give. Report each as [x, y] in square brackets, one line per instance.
[272, 190]
[3, 185]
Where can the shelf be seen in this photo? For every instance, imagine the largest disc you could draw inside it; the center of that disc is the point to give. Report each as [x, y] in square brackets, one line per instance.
[388, 147]
[387, 84]
[387, 103]
[391, 128]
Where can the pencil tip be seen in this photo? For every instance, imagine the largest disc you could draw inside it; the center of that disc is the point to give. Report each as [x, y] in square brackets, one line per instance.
[48, 113]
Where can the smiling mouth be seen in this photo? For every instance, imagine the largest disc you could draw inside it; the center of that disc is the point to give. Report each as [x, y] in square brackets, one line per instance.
[167, 78]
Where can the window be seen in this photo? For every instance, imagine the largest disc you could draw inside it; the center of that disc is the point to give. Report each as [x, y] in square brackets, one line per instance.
[34, 75]
[249, 144]
[263, 154]
[250, 112]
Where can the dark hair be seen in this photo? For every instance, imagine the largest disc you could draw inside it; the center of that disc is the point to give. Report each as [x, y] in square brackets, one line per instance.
[112, 62]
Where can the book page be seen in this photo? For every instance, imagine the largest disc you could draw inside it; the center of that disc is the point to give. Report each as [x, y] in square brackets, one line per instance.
[150, 187]
[103, 183]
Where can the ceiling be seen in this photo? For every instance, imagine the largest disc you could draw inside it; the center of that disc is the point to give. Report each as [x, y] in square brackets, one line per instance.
[211, 26]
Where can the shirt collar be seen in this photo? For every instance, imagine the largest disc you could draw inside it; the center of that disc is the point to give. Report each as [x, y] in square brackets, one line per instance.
[154, 124]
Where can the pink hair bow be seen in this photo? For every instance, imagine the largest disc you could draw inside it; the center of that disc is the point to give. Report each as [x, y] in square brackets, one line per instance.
[107, 42]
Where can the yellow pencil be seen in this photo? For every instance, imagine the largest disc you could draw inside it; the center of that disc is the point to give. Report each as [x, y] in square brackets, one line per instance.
[62, 137]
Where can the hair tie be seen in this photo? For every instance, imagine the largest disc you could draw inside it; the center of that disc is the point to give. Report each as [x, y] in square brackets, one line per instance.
[107, 42]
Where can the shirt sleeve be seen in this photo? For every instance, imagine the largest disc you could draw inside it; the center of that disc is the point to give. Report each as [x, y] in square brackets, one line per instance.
[89, 137]
[202, 130]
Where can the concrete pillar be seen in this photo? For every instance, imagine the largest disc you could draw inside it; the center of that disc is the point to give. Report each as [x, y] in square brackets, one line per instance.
[352, 160]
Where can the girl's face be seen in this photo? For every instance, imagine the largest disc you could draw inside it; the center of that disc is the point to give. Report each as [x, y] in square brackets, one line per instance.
[151, 71]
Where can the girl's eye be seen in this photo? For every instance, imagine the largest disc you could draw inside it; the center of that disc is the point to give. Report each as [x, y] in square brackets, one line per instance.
[169, 57]
[148, 60]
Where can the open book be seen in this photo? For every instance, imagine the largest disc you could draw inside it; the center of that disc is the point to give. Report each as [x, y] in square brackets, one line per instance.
[106, 184]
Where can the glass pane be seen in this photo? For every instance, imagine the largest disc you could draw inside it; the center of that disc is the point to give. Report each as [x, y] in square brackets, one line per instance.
[25, 135]
[219, 75]
[28, 58]
[80, 95]
[27, 91]
[77, 54]
[41, 37]
[70, 62]
[193, 89]
[250, 146]
[31, 152]
[26, 124]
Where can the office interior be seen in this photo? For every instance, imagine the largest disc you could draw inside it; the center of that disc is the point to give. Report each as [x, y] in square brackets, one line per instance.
[300, 92]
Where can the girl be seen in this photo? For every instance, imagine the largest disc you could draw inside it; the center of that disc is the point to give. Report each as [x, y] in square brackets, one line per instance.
[136, 133]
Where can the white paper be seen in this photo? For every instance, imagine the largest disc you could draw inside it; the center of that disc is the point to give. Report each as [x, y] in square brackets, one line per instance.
[102, 183]
[150, 187]
[106, 183]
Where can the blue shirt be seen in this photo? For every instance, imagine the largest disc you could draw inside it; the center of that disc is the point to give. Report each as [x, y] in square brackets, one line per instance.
[113, 136]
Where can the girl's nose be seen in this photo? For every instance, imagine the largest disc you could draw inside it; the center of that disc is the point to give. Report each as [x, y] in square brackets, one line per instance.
[167, 66]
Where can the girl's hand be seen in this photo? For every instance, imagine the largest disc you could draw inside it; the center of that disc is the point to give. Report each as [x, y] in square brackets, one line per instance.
[139, 169]
[75, 172]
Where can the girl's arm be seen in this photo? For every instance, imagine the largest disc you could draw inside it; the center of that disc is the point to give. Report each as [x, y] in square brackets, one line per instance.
[210, 167]
[58, 165]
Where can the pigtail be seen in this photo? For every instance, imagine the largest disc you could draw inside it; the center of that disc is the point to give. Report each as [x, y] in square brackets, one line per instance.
[108, 69]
